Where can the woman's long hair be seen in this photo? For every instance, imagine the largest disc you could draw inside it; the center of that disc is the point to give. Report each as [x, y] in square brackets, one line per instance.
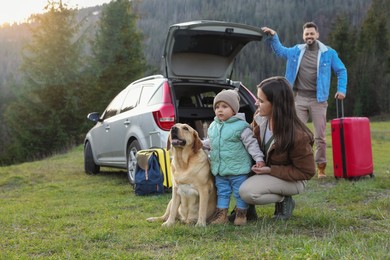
[284, 116]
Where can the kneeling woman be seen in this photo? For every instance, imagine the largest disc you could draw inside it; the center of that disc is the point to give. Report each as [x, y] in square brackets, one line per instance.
[288, 147]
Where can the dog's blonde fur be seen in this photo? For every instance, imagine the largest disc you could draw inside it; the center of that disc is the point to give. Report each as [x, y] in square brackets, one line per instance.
[193, 191]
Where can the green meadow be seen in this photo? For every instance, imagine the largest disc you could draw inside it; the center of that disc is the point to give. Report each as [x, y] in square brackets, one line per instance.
[50, 209]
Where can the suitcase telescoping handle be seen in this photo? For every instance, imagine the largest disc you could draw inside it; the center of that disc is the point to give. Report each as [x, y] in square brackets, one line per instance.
[337, 108]
[342, 138]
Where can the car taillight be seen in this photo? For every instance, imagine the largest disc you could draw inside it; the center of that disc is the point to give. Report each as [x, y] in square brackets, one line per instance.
[165, 115]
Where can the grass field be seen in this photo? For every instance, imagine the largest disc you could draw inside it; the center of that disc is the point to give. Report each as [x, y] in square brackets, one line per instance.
[51, 209]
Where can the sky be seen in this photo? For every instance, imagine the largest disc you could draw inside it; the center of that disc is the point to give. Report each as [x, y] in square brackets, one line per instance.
[19, 10]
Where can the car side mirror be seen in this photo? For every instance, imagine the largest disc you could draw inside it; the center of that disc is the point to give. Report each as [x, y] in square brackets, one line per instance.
[94, 117]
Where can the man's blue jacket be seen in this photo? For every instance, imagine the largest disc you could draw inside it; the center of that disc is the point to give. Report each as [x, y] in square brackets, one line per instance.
[327, 60]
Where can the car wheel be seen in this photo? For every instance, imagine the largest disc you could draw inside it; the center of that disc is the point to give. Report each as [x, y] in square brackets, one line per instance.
[132, 150]
[89, 164]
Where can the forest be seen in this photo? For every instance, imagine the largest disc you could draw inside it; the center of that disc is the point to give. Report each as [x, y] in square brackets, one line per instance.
[66, 63]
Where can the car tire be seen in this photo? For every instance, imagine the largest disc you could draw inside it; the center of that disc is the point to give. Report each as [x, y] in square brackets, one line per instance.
[90, 166]
[132, 150]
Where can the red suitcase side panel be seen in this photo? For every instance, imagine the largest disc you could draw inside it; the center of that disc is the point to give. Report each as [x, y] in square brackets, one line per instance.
[356, 142]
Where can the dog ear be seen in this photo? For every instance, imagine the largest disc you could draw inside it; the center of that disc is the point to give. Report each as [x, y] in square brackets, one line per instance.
[197, 143]
[169, 142]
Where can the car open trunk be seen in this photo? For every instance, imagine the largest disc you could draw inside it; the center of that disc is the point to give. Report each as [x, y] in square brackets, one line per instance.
[194, 103]
[205, 50]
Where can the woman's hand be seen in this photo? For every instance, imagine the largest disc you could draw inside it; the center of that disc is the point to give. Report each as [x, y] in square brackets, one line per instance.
[261, 170]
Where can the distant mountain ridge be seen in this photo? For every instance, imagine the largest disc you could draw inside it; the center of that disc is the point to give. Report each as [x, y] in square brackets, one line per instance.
[155, 17]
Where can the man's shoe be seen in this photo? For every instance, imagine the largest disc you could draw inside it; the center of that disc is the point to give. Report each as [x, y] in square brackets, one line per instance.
[321, 170]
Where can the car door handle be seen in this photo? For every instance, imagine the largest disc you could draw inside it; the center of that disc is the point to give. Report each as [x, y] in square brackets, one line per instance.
[107, 128]
[127, 122]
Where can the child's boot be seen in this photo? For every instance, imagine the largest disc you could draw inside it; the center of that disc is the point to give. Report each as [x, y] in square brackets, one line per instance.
[251, 214]
[220, 217]
[240, 219]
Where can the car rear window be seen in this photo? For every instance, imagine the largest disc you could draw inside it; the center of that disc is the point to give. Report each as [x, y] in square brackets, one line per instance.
[157, 96]
[147, 92]
[131, 99]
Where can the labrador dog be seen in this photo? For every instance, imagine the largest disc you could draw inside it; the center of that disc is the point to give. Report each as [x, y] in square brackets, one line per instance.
[193, 192]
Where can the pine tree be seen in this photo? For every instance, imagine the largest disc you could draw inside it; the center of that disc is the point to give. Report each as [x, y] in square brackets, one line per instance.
[117, 50]
[372, 62]
[45, 117]
[342, 38]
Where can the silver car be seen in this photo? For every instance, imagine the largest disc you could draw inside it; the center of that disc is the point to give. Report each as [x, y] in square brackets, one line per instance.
[198, 59]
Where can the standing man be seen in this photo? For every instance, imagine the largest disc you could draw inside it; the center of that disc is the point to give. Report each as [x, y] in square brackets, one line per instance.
[309, 69]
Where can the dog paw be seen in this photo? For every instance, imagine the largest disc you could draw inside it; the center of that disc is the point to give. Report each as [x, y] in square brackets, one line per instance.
[189, 221]
[167, 224]
[200, 224]
[153, 219]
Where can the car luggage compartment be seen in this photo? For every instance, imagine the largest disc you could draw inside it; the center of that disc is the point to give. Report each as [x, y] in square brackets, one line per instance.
[194, 103]
[197, 118]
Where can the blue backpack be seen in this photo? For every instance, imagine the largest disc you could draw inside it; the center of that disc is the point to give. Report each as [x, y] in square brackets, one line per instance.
[148, 176]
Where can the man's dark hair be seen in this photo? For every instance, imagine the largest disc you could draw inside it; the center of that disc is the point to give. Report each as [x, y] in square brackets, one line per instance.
[310, 25]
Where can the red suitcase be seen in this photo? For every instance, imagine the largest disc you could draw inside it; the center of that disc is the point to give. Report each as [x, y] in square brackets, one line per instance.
[351, 146]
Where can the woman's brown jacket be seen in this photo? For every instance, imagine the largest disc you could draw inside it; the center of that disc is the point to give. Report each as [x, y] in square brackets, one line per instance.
[296, 164]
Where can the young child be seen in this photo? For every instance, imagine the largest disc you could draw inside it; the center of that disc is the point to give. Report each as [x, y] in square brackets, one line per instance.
[232, 148]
